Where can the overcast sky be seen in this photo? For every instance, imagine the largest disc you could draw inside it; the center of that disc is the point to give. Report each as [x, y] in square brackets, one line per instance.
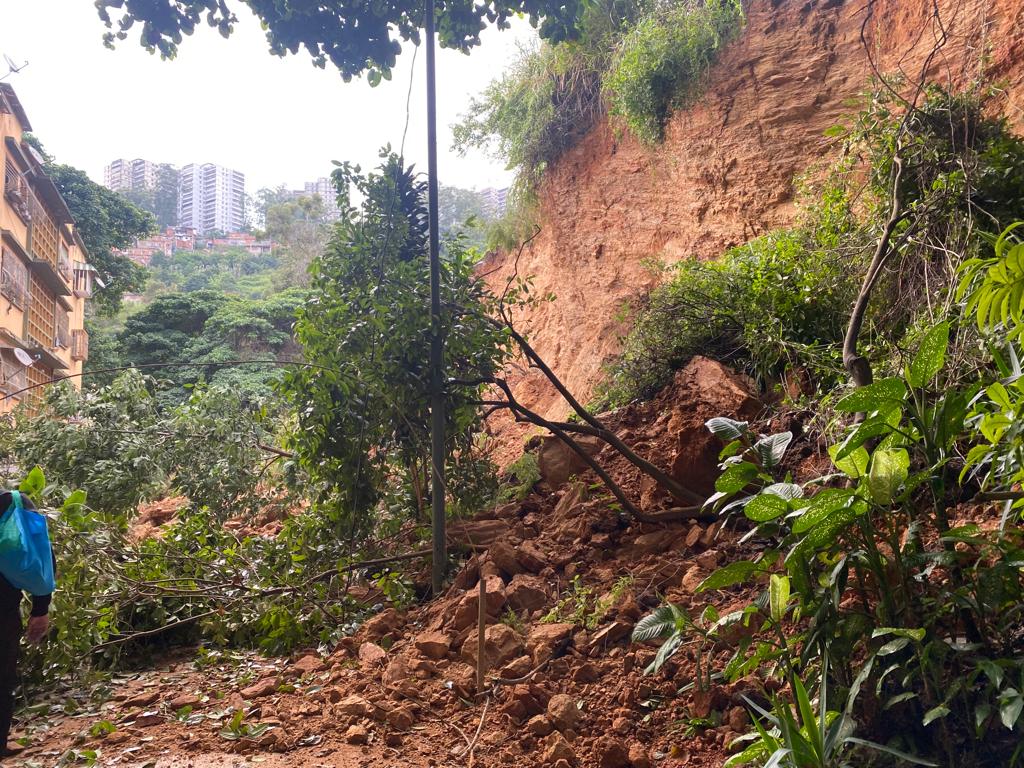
[229, 101]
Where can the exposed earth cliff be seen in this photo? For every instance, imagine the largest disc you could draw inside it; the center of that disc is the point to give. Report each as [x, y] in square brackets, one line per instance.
[729, 167]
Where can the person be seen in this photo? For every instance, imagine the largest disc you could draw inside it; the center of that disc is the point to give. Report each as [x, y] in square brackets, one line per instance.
[10, 639]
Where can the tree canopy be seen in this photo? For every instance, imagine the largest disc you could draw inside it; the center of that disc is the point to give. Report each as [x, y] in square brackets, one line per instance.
[355, 37]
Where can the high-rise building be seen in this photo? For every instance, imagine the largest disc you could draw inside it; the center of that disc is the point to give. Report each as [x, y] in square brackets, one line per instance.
[211, 197]
[494, 201]
[45, 279]
[122, 175]
[325, 188]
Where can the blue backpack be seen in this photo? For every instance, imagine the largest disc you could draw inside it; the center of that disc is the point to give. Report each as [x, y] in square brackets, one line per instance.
[26, 558]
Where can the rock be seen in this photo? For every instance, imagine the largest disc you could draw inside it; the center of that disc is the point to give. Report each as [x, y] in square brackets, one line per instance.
[557, 462]
[466, 613]
[393, 740]
[693, 579]
[557, 748]
[433, 645]
[526, 593]
[384, 624]
[401, 718]
[611, 753]
[503, 555]
[611, 633]
[563, 712]
[144, 699]
[693, 535]
[738, 718]
[478, 534]
[501, 645]
[621, 725]
[264, 687]
[638, 757]
[547, 640]
[309, 665]
[585, 673]
[149, 719]
[539, 726]
[185, 700]
[357, 706]
[371, 654]
[396, 672]
[528, 700]
[518, 667]
[653, 543]
[357, 734]
[708, 560]
[531, 557]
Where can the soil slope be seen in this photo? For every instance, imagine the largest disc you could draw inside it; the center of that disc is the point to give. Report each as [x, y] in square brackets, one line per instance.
[728, 168]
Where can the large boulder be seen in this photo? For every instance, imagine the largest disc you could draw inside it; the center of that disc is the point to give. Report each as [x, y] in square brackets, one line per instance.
[702, 390]
[501, 645]
[557, 462]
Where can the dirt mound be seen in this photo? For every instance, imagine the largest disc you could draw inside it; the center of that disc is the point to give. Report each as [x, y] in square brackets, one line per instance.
[153, 517]
[565, 574]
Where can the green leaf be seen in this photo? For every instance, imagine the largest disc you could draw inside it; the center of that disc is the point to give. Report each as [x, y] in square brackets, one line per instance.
[910, 634]
[727, 430]
[853, 464]
[778, 596]
[33, 484]
[736, 477]
[889, 470]
[787, 491]
[934, 714]
[661, 623]
[873, 396]
[930, 357]
[1011, 704]
[730, 575]
[771, 449]
[765, 507]
[822, 506]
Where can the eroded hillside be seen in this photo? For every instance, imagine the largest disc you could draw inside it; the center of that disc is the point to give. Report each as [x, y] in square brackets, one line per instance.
[729, 167]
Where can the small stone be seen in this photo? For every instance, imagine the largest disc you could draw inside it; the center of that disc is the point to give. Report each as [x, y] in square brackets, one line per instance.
[371, 654]
[693, 536]
[401, 719]
[144, 699]
[385, 623]
[264, 687]
[309, 665]
[585, 673]
[693, 578]
[539, 726]
[526, 593]
[563, 712]
[433, 645]
[557, 748]
[531, 557]
[501, 645]
[708, 560]
[357, 734]
[611, 753]
[504, 556]
[620, 725]
[738, 718]
[518, 667]
[357, 706]
[638, 757]
[393, 740]
[546, 639]
[185, 700]
[148, 719]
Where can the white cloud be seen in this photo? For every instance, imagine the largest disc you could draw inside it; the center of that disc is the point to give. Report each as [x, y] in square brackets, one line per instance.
[230, 101]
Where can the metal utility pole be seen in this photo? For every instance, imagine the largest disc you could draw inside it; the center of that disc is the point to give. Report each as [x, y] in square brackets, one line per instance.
[437, 415]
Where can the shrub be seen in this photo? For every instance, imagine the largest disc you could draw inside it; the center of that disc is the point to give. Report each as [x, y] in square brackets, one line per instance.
[661, 62]
[779, 301]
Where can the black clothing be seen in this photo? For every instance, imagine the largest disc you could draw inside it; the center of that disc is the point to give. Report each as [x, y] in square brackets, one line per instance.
[10, 635]
[10, 638]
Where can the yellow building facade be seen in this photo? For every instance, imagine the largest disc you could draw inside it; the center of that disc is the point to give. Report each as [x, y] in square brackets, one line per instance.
[45, 278]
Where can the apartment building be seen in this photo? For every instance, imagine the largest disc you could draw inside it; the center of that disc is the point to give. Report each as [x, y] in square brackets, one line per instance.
[211, 198]
[494, 201]
[123, 175]
[45, 278]
[328, 194]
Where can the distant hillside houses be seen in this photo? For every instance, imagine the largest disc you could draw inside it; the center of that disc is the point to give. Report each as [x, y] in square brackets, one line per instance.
[175, 239]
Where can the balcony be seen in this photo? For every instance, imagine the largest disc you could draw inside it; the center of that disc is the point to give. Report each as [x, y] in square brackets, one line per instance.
[84, 278]
[16, 191]
[44, 246]
[62, 331]
[79, 344]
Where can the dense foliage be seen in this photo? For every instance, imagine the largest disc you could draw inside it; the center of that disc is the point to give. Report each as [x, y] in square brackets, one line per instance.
[364, 409]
